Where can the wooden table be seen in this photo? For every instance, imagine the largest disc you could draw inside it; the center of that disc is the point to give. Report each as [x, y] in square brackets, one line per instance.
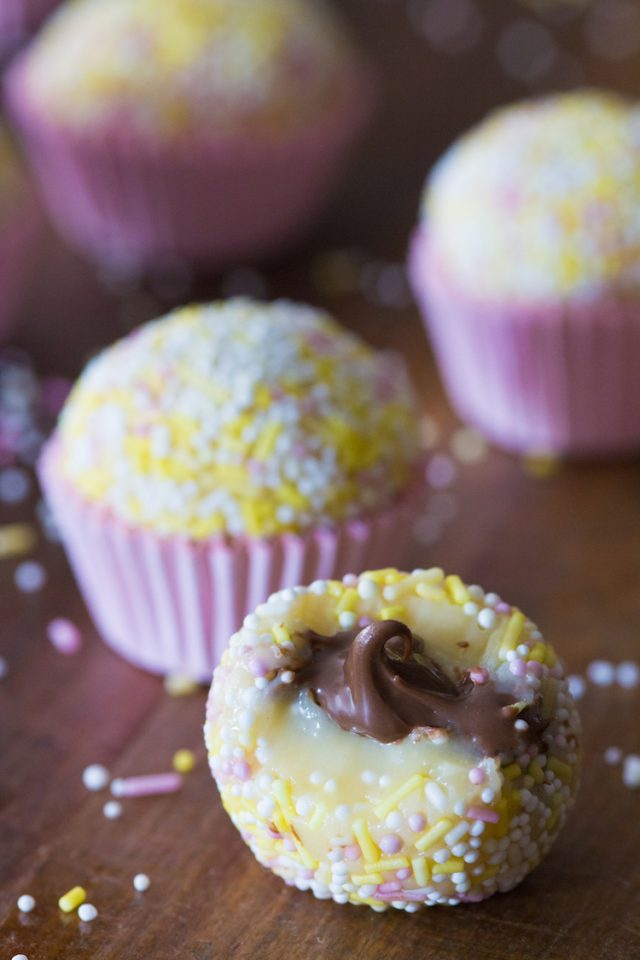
[566, 547]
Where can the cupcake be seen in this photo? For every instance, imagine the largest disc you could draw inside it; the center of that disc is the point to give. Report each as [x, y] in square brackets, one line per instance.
[393, 739]
[219, 454]
[197, 131]
[527, 267]
[19, 19]
[17, 219]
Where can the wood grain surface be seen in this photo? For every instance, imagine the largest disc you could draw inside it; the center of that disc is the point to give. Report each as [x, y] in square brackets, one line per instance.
[564, 547]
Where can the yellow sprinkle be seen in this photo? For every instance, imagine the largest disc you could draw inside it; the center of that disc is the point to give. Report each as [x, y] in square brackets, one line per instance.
[551, 822]
[512, 771]
[433, 834]
[16, 539]
[348, 601]
[386, 576]
[421, 871]
[454, 865]
[538, 653]
[503, 823]
[179, 686]
[362, 879]
[550, 656]
[72, 899]
[370, 850]
[281, 634]
[282, 792]
[317, 816]
[184, 761]
[304, 855]
[536, 771]
[280, 821]
[428, 592]
[549, 697]
[512, 634]
[457, 590]
[413, 783]
[560, 768]
[267, 441]
[395, 612]
[387, 863]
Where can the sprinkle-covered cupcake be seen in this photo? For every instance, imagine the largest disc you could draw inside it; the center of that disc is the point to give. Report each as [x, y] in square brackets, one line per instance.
[202, 130]
[19, 19]
[527, 266]
[219, 454]
[394, 739]
[17, 222]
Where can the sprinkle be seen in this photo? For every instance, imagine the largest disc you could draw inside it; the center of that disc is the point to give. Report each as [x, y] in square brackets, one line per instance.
[347, 619]
[20, 956]
[178, 685]
[95, 777]
[561, 769]
[369, 849]
[386, 864]
[413, 783]
[26, 903]
[601, 672]
[536, 771]
[436, 795]
[64, 636]
[612, 756]
[479, 675]
[631, 771]
[512, 634]
[112, 809]
[146, 786]
[455, 865]
[391, 843]
[457, 590]
[628, 674]
[577, 686]
[441, 471]
[14, 485]
[486, 618]
[477, 775]
[421, 871]
[282, 792]
[30, 576]
[395, 612]
[72, 899]
[394, 820]
[433, 834]
[365, 880]
[368, 589]
[318, 816]
[468, 446]
[184, 761]
[541, 465]
[16, 539]
[417, 822]
[484, 814]
[141, 882]
[87, 912]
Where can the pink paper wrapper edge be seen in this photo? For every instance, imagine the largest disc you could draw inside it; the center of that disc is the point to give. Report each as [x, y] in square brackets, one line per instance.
[207, 201]
[555, 378]
[170, 604]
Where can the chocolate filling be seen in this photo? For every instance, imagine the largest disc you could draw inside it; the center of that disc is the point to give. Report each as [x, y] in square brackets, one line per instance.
[379, 682]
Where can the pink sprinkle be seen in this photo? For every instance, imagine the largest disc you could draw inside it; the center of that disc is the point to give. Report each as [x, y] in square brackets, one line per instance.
[389, 887]
[147, 786]
[403, 874]
[350, 580]
[242, 770]
[503, 607]
[477, 775]
[258, 668]
[479, 675]
[64, 636]
[391, 843]
[535, 668]
[518, 668]
[483, 813]
[353, 852]
[417, 822]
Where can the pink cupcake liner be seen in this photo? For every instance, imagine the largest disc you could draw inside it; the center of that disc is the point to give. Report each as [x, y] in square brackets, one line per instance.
[205, 200]
[16, 238]
[170, 604]
[556, 378]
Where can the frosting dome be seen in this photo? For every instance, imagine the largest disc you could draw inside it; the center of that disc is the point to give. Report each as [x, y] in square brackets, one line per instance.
[240, 418]
[175, 66]
[542, 200]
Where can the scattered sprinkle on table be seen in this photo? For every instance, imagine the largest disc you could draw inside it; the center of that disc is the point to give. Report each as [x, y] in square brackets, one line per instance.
[112, 809]
[628, 674]
[95, 776]
[184, 761]
[26, 903]
[64, 636]
[16, 539]
[468, 446]
[146, 786]
[14, 485]
[72, 899]
[631, 771]
[179, 686]
[30, 576]
[601, 672]
[141, 882]
[612, 756]
[20, 956]
[87, 912]
[441, 471]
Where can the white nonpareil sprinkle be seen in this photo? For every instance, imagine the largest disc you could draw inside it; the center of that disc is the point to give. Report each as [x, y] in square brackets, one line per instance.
[20, 956]
[26, 903]
[486, 619]
[631, 771]
[112, 809]
[30, 576]
[612, 756]
[95, 777]
[141, 882]
[628, 674]
[577, 686]
[87, 912]
[601, 672]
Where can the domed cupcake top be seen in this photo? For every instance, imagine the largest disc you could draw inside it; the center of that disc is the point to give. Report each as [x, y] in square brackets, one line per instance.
[240, 418]
[542, 200]
[170, 67]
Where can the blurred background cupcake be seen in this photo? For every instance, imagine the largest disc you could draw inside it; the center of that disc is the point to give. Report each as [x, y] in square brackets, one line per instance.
[527, 266]
[17, 228]
[220, 454]
[19, 19]
[195, 131]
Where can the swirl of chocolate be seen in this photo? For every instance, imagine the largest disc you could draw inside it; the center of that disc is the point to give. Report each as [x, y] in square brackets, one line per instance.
[378, 682]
